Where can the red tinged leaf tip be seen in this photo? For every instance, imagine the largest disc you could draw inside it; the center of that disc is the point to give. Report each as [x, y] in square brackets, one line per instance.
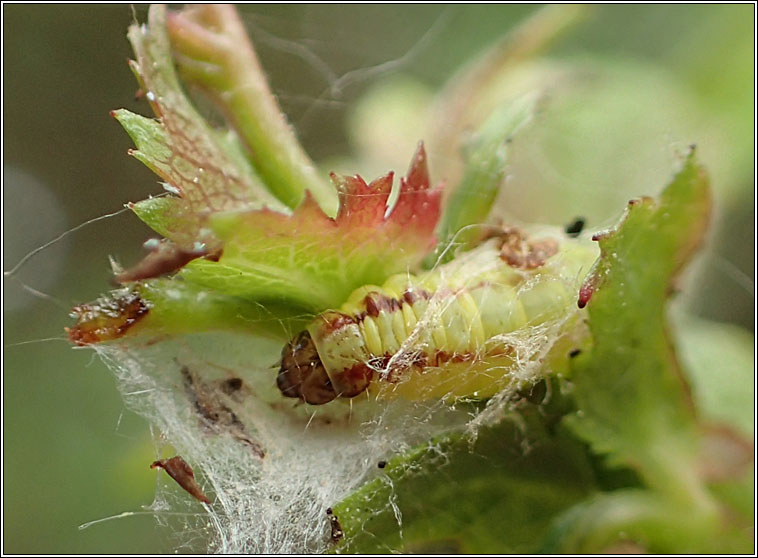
[585, 293]
[417, 206]
[178, 469]
[362, 204]
[418, 172]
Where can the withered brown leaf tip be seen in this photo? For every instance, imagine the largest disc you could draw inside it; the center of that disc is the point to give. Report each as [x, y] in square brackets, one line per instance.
[178, 469]
[163, 258]
[107, 318]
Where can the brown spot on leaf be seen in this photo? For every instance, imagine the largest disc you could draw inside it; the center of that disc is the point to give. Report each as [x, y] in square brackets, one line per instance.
[178, 469]
[107, 318]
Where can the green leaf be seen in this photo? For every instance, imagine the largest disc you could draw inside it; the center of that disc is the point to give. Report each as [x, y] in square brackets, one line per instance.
[497, 494]
[180, 146]
[720, 360]
[486, 164]
[634, 403]
[313, 261]
[170, 217]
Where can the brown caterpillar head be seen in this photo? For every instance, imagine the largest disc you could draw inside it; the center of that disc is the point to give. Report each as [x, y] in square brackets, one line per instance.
[302, 373]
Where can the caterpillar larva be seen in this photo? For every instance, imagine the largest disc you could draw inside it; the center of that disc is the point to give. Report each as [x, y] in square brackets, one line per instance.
[443, 333]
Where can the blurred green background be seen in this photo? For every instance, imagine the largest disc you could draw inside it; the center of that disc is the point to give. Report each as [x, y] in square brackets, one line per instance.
[662, 77]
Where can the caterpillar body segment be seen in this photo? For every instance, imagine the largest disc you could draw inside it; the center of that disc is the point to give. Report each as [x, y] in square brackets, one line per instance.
[451, 332]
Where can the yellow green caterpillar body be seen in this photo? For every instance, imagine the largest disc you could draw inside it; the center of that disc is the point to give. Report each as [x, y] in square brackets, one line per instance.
[444, 333]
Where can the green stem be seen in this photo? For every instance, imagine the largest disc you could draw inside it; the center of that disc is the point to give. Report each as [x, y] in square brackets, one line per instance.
[213, 51]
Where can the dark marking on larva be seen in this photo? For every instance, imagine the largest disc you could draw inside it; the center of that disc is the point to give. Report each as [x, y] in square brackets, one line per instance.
[107, 318]
[442, 357]
[178, 469]
[412, 295]
[575, 353]
[416, 361]
[336, 529]
[215, 414]
[394, 371]
[382, 464]
[377, 302]
[374, 303]
[575, 227]
[336, 320]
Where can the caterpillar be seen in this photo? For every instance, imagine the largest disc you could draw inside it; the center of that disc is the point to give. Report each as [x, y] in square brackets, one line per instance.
[438, 334]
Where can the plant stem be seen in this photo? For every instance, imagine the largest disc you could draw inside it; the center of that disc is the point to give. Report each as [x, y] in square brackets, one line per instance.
[212, 50]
